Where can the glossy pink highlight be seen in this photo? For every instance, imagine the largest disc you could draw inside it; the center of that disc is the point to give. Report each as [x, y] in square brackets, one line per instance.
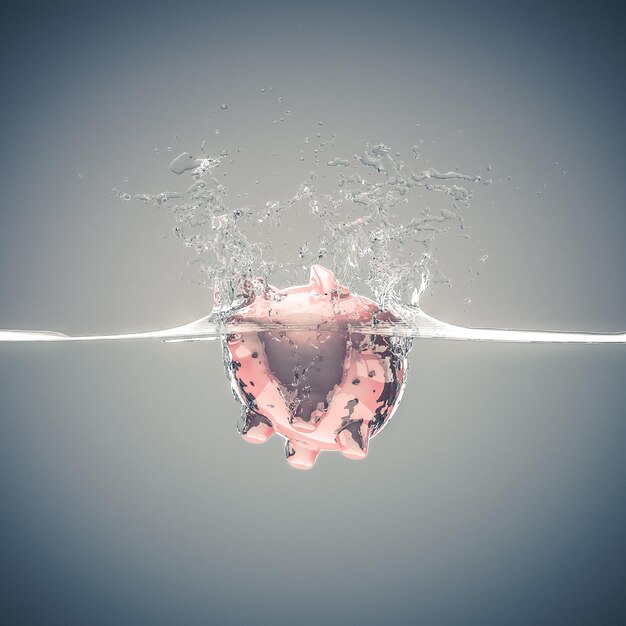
[305, 374]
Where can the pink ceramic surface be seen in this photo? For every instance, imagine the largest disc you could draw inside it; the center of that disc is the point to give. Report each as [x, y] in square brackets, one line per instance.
[321, 387]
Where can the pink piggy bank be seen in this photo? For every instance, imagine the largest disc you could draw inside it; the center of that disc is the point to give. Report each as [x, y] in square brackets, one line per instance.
[305, 370]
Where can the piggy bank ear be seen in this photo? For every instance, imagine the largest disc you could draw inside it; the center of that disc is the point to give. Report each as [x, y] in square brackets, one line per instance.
[322, 279]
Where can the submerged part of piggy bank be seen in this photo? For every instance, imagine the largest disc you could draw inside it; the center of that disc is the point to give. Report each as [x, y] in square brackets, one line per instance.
[309, 365]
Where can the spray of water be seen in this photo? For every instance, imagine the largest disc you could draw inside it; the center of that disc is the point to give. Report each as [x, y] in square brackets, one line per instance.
[374, 225]
[322, 364]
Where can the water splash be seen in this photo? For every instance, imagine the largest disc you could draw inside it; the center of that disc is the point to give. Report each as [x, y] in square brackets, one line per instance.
[370, 225]
[323, 368]
[318, 364]
[412, 322]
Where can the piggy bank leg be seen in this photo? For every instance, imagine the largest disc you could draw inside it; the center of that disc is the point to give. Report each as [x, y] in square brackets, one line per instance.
[255, 427]
[353, 439]
[300, 455]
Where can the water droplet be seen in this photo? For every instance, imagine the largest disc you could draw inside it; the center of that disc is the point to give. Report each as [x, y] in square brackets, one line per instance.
[81, 175]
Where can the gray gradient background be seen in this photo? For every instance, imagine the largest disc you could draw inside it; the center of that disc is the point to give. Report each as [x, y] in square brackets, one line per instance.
[496, 496]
